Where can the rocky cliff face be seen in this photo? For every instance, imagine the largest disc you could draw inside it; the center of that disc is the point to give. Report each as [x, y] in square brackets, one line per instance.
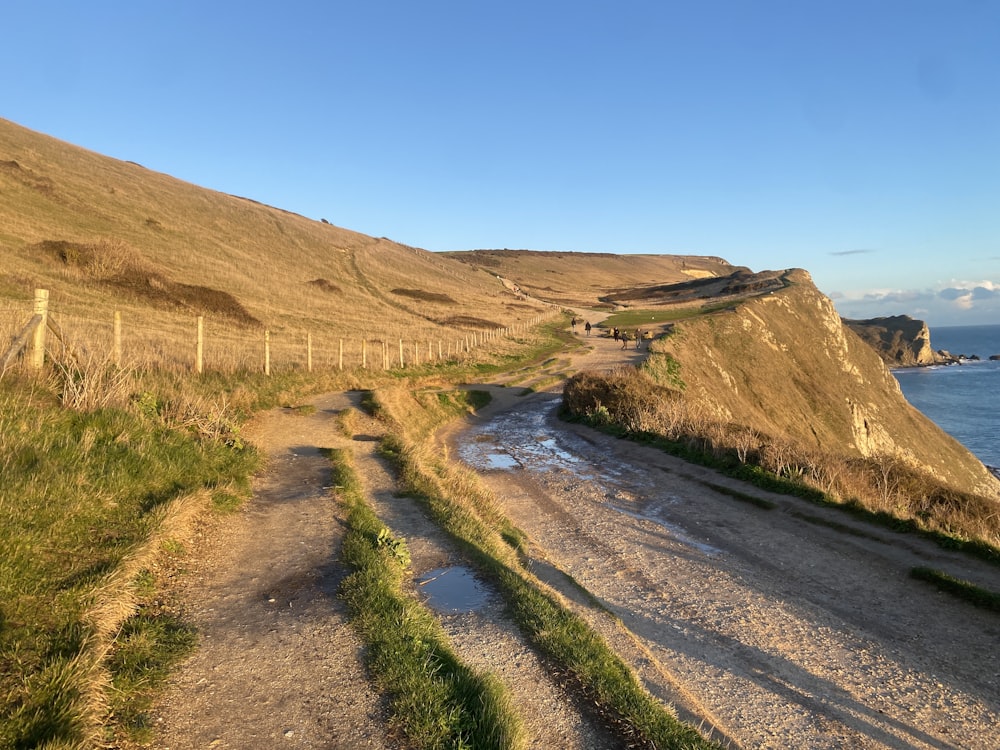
[786, 364]
[900, 340]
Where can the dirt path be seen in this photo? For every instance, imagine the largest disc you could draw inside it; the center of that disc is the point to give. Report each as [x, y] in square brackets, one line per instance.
[770, 628]
[277, 661]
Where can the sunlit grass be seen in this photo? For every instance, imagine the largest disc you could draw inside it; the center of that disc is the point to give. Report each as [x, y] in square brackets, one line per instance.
[654, 316]
[81, 492]
[970, 592]
[436, 700]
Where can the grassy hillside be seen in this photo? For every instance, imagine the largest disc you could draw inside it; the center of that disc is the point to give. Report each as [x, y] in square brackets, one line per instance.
[775, 382]
[104, 468]
[785, 364]
[102, 234]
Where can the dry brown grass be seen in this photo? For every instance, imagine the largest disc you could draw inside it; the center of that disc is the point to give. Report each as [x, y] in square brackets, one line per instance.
[104, 235]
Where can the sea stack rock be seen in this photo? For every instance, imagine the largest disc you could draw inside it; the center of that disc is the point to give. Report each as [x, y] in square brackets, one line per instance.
[900, 340]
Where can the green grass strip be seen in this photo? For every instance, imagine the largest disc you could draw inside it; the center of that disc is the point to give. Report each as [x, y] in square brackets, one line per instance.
[436, 701]
[590, 666]
[970, 592]
[746, 497]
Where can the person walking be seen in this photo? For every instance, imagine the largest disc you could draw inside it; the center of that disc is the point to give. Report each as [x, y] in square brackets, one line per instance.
[624, 335]
[586, 327]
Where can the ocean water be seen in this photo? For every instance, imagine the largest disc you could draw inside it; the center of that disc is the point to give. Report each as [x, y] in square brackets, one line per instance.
[961, 399]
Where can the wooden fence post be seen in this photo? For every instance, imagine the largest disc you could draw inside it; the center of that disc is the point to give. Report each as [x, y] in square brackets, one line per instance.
[267, 352]
[401, 353]
[38, 341]
[117, 346]
[199, 358]
[309, 352]
[364, 354]
[341, 360]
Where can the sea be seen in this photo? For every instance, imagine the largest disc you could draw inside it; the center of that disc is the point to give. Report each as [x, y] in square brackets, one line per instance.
[962, 399]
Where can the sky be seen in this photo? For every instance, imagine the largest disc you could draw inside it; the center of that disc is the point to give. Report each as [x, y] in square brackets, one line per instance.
[858, 139]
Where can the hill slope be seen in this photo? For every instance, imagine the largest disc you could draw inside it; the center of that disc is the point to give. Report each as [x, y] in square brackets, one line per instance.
[101, 233]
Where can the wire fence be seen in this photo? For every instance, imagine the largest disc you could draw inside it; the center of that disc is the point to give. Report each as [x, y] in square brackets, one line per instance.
[204, 344]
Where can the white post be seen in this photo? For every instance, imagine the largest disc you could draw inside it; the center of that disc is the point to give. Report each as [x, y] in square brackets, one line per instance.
[38, 341]
[199, 354]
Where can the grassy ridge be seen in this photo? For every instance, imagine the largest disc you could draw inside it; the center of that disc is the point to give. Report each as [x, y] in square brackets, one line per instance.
[436, 701]
[970, 592]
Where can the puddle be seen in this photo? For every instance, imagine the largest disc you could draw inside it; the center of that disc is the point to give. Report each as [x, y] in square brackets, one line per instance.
[499, 461]
[519, 440]
[452, 589]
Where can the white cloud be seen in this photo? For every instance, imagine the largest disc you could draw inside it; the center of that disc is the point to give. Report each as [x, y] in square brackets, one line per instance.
[955, 302]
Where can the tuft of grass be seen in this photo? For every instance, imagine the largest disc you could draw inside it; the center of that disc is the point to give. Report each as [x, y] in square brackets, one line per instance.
[760, 502]
[148, 646]
[437, 701]
[965, 590]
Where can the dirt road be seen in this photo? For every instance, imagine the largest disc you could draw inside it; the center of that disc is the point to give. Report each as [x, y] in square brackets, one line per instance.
[791, 627]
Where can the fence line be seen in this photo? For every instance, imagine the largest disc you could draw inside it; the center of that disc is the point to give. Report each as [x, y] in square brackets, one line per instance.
[213, 345]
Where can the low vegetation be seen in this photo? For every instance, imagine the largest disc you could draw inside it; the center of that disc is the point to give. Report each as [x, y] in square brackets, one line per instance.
[970, 592]
[630, 319]
[122, 271]
[84, 496]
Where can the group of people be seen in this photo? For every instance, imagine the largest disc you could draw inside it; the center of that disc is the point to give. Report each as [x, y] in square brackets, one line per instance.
[618, 334]
[623, 336]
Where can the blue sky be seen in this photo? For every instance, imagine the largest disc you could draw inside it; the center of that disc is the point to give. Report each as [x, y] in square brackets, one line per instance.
[859, 140]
